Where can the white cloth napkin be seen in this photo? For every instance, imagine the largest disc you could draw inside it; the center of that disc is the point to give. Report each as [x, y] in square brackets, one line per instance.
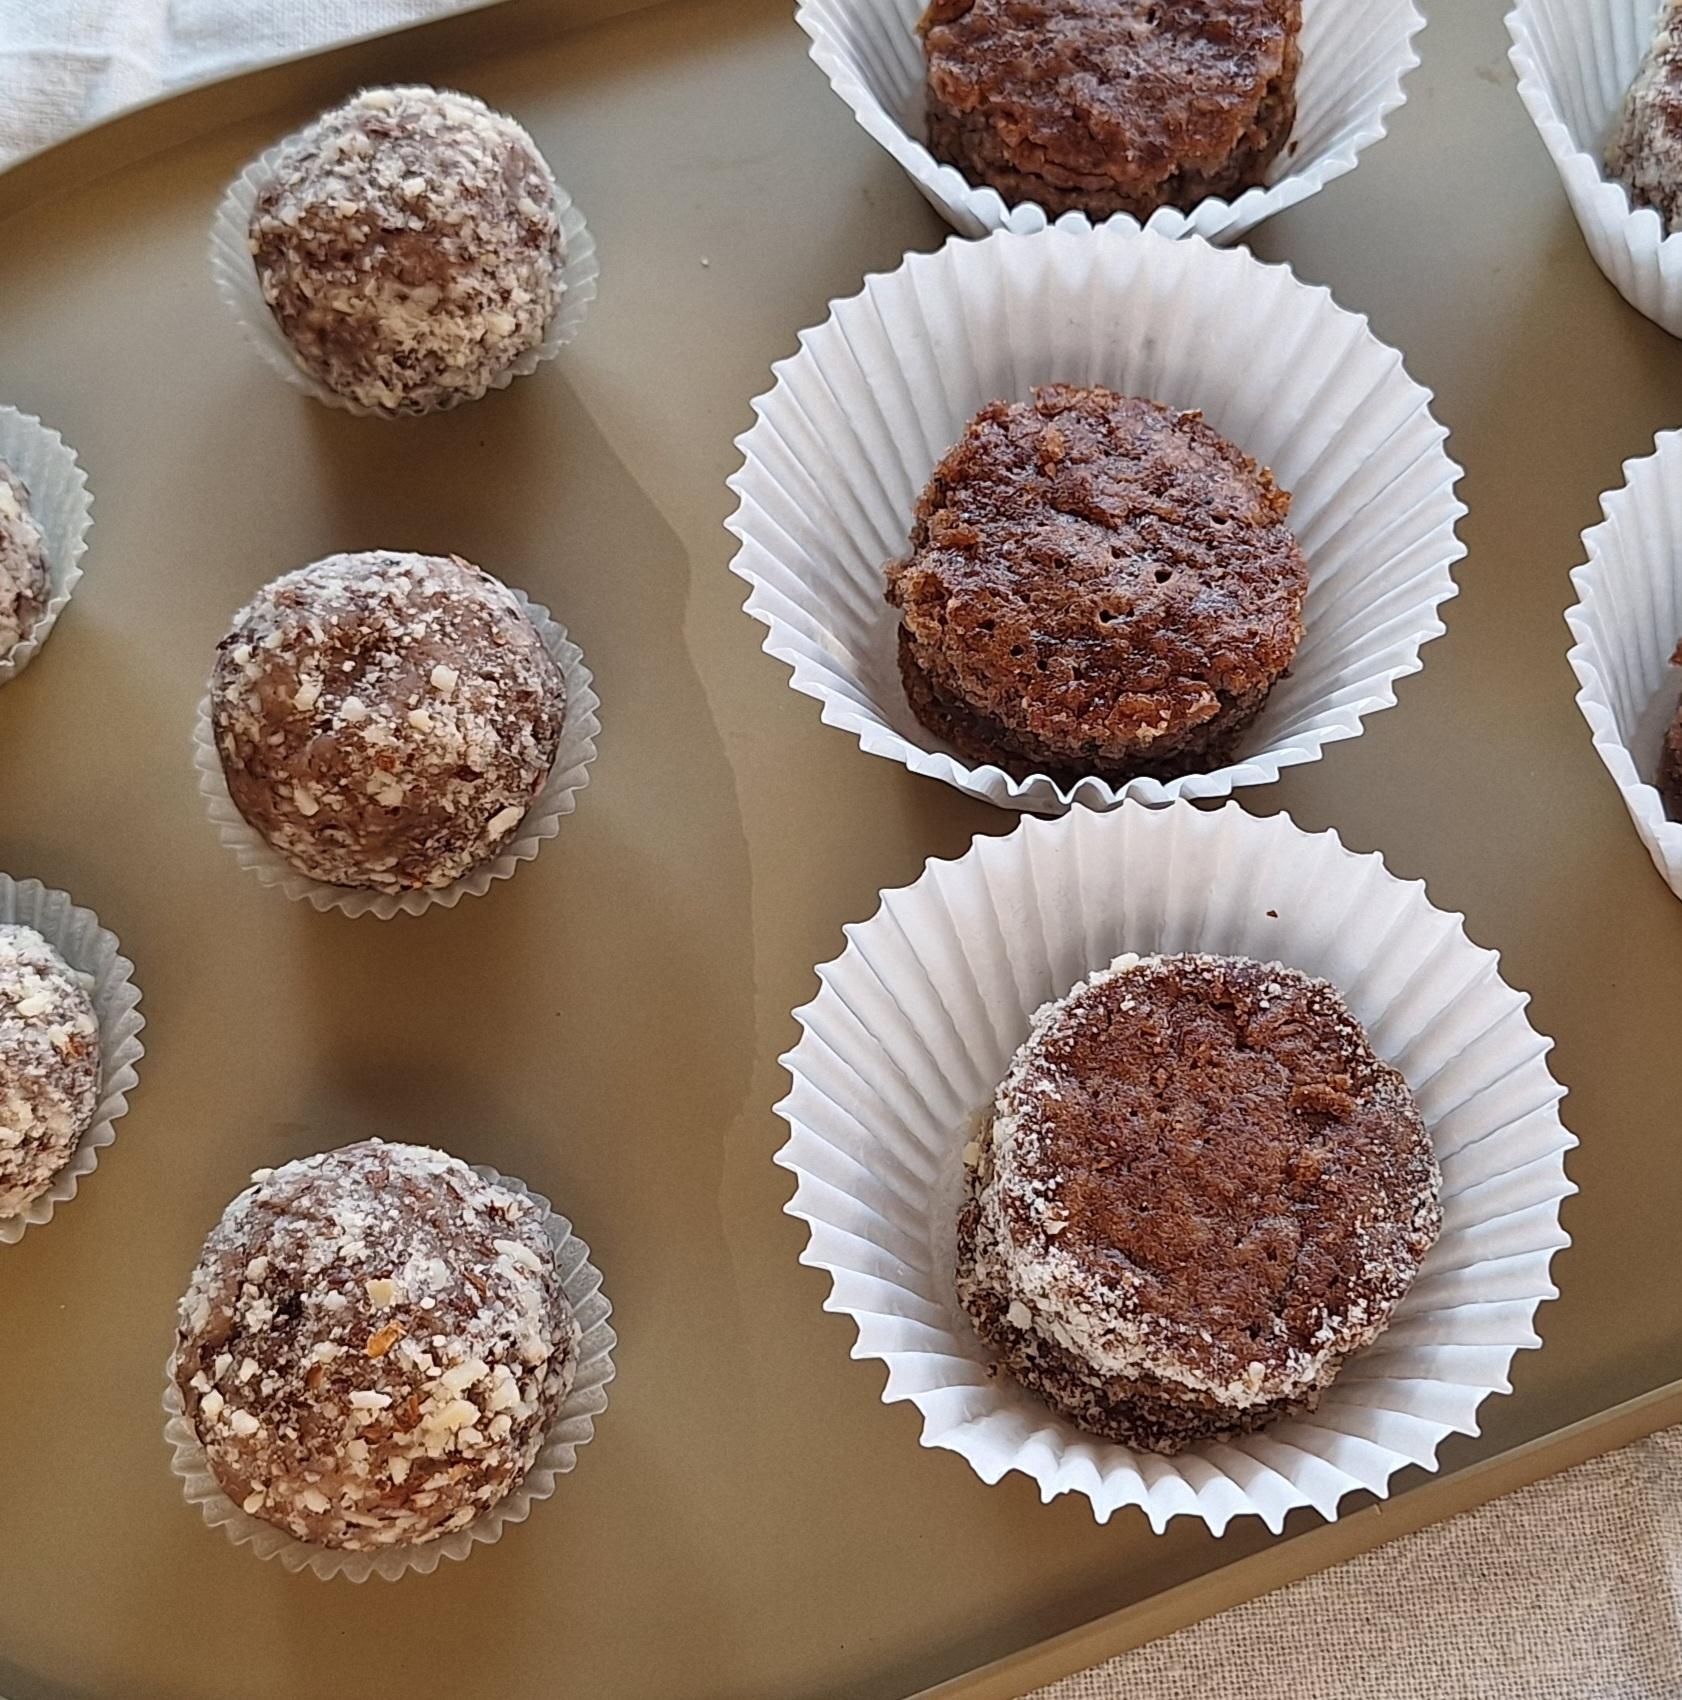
[66, 64]
[1568, 1590]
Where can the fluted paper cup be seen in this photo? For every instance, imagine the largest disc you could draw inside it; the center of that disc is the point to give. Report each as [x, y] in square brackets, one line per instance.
[573, 1427]
[94, 953]
[568, 775]
[1627, 623]
[59, 500]
[1575, 60]
[237, 285]
[1355, 54]
[856, 421]
[917, 1020]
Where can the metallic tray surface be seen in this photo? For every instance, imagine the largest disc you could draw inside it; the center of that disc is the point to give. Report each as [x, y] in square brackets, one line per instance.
[750, 1520]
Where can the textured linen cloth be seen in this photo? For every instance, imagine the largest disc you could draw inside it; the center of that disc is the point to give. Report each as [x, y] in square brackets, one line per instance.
[1568, 1590]
[66, 64]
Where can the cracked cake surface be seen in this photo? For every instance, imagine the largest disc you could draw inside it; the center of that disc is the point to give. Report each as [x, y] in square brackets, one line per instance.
[374, 1345]
[1197, 1193]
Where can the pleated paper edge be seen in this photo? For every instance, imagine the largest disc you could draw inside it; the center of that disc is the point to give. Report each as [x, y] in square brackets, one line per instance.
[1329, 1500]
[1661, 835]
[1620, 237]
[1039, 793]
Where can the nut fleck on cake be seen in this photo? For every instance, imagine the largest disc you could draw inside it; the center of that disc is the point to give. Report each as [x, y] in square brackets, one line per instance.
[1096, 584]
[374, 1345]
[1111, 106]
[409, 246]
[1198, 1193]
[49, 1066]
[385, 720]
[23, 563]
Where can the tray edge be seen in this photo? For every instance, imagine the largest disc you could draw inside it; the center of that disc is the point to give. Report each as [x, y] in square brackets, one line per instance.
[1316, 1550]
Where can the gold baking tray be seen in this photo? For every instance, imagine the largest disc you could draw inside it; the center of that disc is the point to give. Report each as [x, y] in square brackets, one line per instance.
[750, 1522]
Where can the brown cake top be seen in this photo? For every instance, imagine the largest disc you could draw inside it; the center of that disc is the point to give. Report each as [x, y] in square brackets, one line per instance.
[49, 1065]
[385, 719]
[409, 245]
[1101, 569]
[1136, 91]
[374, 1345]
[23, 562]
[1199, 1170]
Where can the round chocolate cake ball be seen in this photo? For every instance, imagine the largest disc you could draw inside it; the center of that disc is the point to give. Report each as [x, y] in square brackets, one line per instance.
[409, 246]
[23, 563]
[49, 1066]
[1198, 1193]
[373, 1346]
[384, 720]
[1097, 585]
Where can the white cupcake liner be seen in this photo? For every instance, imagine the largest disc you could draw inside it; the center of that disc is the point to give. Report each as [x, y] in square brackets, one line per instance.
[917, 1020]
[848, 436]
[59, 500]
[93, 951]
[574, 1426]
[1627, 622]
[1575, 60]
[558, 798]
[236, 283]
[1355, 54]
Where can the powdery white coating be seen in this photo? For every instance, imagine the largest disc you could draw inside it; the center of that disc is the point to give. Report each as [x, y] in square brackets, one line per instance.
[409, 246]
[1645, 152]
[49, 1065]
[23, 562]
[374, 1345]
[384, 720]
[1088, 1313]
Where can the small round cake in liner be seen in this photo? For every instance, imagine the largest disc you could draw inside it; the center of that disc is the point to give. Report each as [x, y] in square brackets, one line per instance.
[1627, 624]
[568, 775]
[241, 290]
[1196, 1194]
[1096, 585]
[1107, 106]
[1354, 58]
[54, 498]
[94, 955]
[916, 1024]
[846, 440]
[1576, 60]
[572, 1426]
